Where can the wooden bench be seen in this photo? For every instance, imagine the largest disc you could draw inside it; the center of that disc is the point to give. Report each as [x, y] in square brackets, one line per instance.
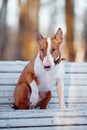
[74, 117]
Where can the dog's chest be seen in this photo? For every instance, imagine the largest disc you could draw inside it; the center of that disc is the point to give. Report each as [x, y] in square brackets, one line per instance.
[47, 78]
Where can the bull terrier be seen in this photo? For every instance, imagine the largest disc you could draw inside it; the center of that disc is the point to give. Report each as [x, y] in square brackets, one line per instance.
[33, 88]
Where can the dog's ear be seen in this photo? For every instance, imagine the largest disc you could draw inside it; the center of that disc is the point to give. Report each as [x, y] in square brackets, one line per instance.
[59, 36]
[39, 37]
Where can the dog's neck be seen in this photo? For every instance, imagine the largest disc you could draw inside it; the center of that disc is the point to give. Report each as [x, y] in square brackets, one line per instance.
[57, 60]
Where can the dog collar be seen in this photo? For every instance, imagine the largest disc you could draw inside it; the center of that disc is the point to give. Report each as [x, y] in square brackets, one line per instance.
[57, 60]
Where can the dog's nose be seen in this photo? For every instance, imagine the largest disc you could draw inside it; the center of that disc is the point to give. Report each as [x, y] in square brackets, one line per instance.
[47, 68]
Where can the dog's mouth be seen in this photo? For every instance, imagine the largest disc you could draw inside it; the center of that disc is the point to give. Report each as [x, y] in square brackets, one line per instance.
[47, 68]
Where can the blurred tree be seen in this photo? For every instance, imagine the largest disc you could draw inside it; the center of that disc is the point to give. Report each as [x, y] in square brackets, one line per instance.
[85, 35]
[3, 28]
[69, 7]
[17, 40]
[28, 21]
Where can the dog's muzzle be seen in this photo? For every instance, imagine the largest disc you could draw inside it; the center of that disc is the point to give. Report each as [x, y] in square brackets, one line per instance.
[47, 63]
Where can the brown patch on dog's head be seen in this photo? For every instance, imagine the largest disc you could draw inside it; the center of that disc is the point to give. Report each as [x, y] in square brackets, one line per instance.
[54, 48]
[55, 43]
[42, 44]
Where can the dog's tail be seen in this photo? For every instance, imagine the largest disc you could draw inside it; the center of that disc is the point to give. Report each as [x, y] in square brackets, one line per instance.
[14, 106]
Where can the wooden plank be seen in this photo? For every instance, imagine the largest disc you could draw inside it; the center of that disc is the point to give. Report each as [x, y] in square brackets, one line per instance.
[55, 121]
[67, 64]
[43, 113]
[50, 106]
[67, 93]
[75, 64]
[75, 82]
[75, 76]
[67, 76]
[73, 93]
[7, 107]
[11, 69]
[13, 63]
[10, 75]
[74, 100]
[6, 87]
[76, 127]
[70, 105]
[66, 88]
[13, 81]
[18, 67]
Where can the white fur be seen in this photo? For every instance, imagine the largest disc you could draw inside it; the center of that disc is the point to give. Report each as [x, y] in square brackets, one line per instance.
[48, 59]
[34, 95]
[49, 45]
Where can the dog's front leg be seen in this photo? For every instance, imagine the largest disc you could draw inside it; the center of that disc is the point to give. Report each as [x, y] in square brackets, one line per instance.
[34, 93]
[60, 91]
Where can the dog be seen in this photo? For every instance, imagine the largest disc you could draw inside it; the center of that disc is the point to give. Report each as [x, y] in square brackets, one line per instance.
[33, 88]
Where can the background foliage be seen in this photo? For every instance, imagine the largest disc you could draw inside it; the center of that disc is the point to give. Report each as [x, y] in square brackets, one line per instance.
[19, 18]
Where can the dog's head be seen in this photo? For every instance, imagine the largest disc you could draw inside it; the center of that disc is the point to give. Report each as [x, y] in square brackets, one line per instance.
[49, 49]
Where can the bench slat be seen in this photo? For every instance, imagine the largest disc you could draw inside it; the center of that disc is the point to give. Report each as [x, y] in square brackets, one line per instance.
[7, 107]
[19, 66]
[55, 121]
[76, 127]
[53, 100]
[67, 64]
[67, 93]
[13, 81]
[18, 69]
[43, 114]
[67, 76]
[66, 87]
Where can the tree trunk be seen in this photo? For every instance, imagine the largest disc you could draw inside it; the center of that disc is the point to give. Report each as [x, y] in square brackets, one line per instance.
[28, 21]
[69, 7]
[3, 35]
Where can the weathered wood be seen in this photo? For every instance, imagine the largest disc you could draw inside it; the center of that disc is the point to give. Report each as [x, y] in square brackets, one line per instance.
[39, 113]
[6, 87]
[76, 127]
[43, 118]
[74, 116]
[67, 93]
[13, 81]
[67, 75]
[18, 66]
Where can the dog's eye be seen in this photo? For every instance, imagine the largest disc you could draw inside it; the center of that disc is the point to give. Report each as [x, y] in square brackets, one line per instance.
[53, 49]
[42, 50]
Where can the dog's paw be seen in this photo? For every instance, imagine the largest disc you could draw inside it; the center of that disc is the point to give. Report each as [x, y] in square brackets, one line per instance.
[62, 106]
[14, 106]
[31, 106]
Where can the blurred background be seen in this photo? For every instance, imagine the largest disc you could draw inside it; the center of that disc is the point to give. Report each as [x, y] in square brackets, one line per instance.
[19, 18]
